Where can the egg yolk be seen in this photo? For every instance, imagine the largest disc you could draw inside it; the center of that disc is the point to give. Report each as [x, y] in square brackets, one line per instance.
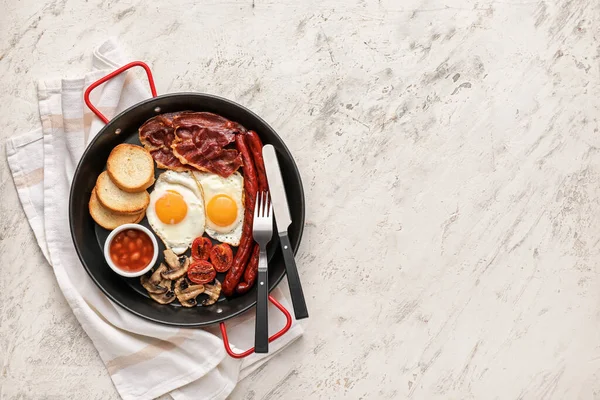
[222, 210]
[171, 208]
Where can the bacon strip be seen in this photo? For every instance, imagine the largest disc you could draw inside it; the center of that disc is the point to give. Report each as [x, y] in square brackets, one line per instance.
[158, 132]
[157, 135]
[203, 148]
[165, 159]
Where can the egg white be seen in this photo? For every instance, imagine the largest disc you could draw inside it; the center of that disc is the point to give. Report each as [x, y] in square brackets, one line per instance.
[178, 237]
[232, 186]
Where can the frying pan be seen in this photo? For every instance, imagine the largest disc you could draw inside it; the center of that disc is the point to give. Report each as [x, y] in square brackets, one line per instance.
[89, 238]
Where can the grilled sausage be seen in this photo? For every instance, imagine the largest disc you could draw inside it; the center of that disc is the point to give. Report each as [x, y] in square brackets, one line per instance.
[236, 272]
[250, 273]
[252, 269]
[256, 148]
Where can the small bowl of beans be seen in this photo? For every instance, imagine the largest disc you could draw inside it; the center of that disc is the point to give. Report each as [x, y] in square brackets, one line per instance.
[131, 250]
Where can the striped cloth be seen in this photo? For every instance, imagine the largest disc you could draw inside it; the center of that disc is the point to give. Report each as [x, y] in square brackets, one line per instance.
[145, 360]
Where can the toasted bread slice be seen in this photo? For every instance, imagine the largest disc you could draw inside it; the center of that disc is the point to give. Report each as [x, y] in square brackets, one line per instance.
[116, 200]
[131, 168]
[108, 219]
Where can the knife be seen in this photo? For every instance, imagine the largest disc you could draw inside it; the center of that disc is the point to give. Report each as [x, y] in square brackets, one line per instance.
[283, 221]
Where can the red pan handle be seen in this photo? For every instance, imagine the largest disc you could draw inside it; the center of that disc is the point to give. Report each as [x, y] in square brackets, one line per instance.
[86, 95]
[246, 353]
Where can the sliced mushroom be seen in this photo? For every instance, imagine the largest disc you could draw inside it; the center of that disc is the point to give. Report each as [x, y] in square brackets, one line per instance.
[178, 266]
[155, 284]
[183, 285]
[172, 259]
[213, 292]
[186, 293]
[166, 297]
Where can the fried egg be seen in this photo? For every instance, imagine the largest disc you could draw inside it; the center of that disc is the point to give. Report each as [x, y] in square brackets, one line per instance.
[176, 210]
[224, 205]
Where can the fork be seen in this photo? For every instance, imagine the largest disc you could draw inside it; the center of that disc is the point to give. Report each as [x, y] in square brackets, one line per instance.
[262, 231]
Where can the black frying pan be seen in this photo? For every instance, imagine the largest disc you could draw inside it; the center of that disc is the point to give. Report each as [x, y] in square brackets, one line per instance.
[89, 237]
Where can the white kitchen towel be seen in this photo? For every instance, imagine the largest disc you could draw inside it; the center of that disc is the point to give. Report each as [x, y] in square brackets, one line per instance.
[144, 359]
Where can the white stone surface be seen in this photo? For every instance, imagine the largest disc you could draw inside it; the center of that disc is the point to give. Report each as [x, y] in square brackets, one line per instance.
[450, 154]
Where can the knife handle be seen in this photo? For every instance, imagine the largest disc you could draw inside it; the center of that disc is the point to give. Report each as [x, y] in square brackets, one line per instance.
[300, 310]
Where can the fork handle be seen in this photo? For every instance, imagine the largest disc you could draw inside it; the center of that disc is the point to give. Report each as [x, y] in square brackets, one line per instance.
[296, 292]
[261, 334]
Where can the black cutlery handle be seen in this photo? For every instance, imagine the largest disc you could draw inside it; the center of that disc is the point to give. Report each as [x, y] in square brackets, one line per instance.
[300, 310]
[261, 334]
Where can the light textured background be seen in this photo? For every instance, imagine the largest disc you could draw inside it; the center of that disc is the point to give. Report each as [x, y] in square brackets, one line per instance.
[450, 154]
